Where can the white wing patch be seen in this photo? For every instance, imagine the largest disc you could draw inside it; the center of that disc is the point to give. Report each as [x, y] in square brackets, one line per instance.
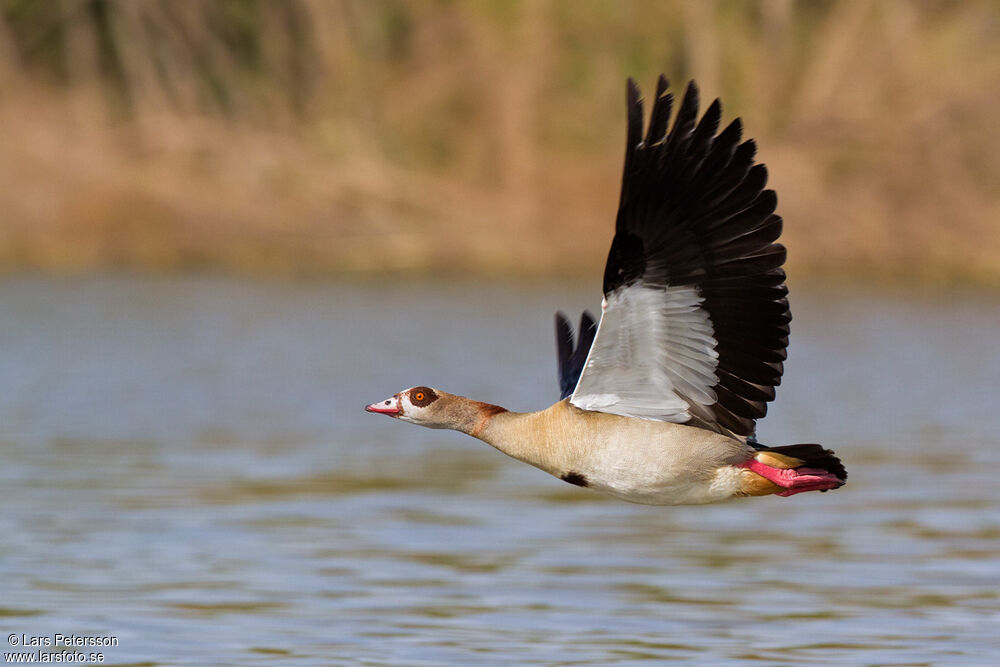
[654, 355]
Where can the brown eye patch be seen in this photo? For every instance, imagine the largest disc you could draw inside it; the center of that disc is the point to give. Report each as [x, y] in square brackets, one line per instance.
[422, 396]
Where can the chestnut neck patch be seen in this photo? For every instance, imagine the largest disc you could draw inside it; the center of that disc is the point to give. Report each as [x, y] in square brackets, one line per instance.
[422, 396]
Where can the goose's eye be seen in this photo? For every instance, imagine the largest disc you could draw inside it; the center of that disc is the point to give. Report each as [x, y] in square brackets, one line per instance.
[422, 396]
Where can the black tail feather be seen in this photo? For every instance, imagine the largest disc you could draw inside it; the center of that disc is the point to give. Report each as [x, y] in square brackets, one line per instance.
[815, 456]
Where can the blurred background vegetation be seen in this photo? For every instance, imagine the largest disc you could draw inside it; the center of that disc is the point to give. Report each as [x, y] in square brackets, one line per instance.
[379, 137]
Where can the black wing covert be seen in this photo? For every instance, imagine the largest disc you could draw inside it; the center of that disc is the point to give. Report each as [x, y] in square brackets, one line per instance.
[572, 357]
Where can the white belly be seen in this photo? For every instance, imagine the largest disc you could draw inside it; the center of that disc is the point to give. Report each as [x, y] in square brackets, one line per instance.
[658, 463]
[651, 490]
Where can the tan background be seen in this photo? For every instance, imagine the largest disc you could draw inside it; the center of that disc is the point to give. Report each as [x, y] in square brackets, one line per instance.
[316, 137]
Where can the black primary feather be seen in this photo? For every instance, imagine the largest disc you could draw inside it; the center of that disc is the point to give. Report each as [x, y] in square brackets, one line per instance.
[694, 212]
[572, 357]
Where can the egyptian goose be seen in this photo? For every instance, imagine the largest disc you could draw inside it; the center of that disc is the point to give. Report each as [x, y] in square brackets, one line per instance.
[660, 399]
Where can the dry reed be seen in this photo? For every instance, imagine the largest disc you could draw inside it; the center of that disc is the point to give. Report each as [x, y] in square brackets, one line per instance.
[308, 136]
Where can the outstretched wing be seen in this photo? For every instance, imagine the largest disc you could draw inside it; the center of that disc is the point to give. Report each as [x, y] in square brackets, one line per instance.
[572, 357]
[695, 318]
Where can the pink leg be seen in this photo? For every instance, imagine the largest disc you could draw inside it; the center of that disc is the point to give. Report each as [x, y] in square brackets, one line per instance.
[794, 480]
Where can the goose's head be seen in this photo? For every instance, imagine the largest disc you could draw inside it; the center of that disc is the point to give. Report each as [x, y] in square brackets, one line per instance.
[417, 405]
[434, 408]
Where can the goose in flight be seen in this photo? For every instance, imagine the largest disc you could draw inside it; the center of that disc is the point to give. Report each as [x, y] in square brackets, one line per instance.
[660, 398]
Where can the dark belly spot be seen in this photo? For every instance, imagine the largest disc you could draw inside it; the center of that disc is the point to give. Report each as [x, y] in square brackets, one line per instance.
[574, 478]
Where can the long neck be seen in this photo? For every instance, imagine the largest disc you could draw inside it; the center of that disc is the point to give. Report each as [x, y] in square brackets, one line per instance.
[522, 435]
[469, 416]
